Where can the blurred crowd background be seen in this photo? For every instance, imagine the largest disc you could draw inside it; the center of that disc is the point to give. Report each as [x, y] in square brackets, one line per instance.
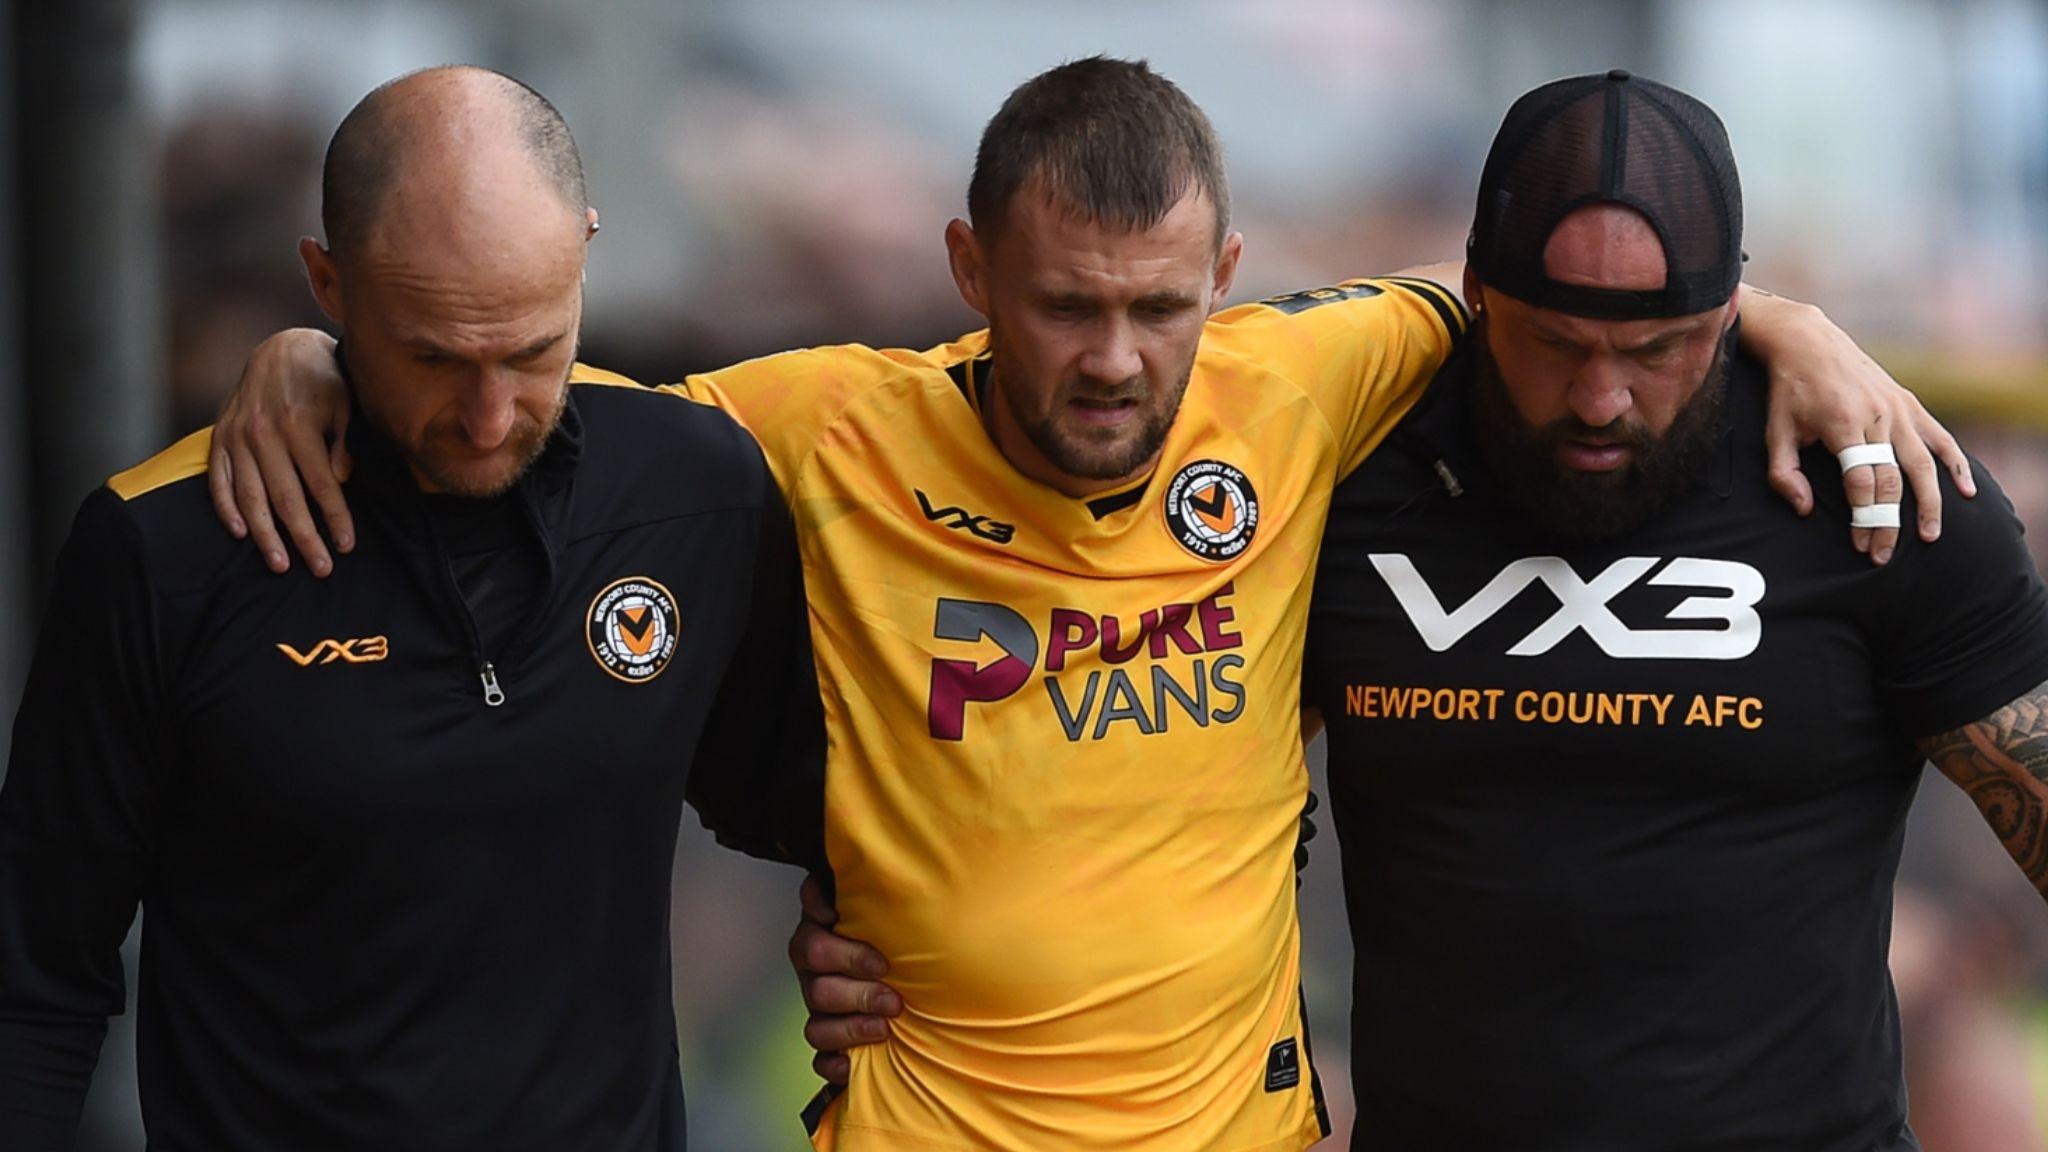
[775, 174]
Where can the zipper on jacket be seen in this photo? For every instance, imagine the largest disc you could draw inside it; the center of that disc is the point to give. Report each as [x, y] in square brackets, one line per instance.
[1449, 478]
[486, 672]
[493, 695]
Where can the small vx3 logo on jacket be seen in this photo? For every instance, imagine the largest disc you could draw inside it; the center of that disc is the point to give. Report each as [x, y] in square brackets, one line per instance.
[365, 650]
[955, 517]
[632, 628]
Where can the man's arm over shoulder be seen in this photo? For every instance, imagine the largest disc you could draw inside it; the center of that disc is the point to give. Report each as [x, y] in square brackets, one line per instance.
[1363, 349]
[76, 823]
[789, 399]
[757, 778]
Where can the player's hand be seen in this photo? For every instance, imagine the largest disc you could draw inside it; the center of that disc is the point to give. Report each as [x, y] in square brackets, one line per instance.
[279, 437]
[841, 982]
[1824, 388]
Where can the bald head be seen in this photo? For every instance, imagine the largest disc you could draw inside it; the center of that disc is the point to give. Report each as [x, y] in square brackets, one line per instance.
[457, 130]
[457, 234]
[1609, 246]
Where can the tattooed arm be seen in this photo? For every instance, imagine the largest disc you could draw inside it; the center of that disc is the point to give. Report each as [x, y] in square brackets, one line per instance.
[2002, 762]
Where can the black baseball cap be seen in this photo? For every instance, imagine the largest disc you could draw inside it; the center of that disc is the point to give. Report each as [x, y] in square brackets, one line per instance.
[1610, 138]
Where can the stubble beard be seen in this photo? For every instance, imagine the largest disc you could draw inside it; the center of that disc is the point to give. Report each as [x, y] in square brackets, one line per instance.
[523, 445]
[1110, 456]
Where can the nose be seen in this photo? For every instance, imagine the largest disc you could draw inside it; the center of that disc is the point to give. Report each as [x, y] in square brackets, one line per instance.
[1601, 392]
[488, 410]
[1112, 357]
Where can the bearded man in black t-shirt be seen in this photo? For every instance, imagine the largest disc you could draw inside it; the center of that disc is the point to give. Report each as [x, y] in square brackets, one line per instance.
[1620, 748]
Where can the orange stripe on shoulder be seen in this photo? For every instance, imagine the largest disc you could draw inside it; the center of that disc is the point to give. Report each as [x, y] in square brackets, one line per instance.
[581, 373]
[185, 459]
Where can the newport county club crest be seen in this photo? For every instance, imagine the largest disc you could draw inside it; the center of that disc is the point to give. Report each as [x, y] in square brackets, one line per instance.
[632, 626]
[1211, 510]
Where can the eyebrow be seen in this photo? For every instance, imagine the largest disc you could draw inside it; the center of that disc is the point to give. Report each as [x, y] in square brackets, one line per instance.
[1665, 339]
[1162, 299]
[428, 347]
[1656, 342]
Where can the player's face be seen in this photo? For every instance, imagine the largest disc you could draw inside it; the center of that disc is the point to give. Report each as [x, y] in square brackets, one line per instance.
[1093, 333]
[1532, 461]
[464, 363]
[1611, 384]
[1595, 423]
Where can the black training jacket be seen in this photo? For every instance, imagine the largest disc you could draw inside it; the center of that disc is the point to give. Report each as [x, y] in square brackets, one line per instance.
[401, 891]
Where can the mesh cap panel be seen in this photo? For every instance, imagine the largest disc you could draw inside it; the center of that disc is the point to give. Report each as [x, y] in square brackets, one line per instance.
[1610, 139]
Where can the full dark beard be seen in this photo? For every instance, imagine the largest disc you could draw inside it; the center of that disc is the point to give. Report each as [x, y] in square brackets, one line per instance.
[1573, 505]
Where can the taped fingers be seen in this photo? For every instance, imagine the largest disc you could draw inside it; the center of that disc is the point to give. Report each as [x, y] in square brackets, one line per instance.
[1861, 463]
[1858, 455]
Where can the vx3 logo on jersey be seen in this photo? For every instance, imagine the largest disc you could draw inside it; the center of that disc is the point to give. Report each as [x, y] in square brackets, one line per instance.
[955, 517]
[366, 650]
[1582, 606]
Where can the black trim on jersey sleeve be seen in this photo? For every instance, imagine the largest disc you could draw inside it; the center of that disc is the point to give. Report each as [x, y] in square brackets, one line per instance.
[76, 815]
[758, 777]
[1966, 630]
[1450, 310]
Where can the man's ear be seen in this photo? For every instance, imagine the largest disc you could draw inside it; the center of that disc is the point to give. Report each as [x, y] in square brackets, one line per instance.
[969, 262]
[1473, 290]
[1226, 269]
[589, 225]
[323, 276]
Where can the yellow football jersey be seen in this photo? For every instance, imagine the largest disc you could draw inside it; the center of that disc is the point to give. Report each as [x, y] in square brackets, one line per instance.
[1065, 764]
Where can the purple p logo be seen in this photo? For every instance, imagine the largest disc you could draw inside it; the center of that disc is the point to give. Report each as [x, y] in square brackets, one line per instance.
[955, 682]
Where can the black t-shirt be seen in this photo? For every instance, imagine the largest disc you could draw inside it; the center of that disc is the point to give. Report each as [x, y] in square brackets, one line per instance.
[1620, 820]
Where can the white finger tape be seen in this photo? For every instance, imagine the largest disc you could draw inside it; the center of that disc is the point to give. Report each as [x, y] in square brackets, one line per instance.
[1857, 455]
[1874, 516]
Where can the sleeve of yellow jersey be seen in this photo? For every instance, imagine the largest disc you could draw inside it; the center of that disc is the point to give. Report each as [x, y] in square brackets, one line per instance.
[1363, 350]
[789, 399]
